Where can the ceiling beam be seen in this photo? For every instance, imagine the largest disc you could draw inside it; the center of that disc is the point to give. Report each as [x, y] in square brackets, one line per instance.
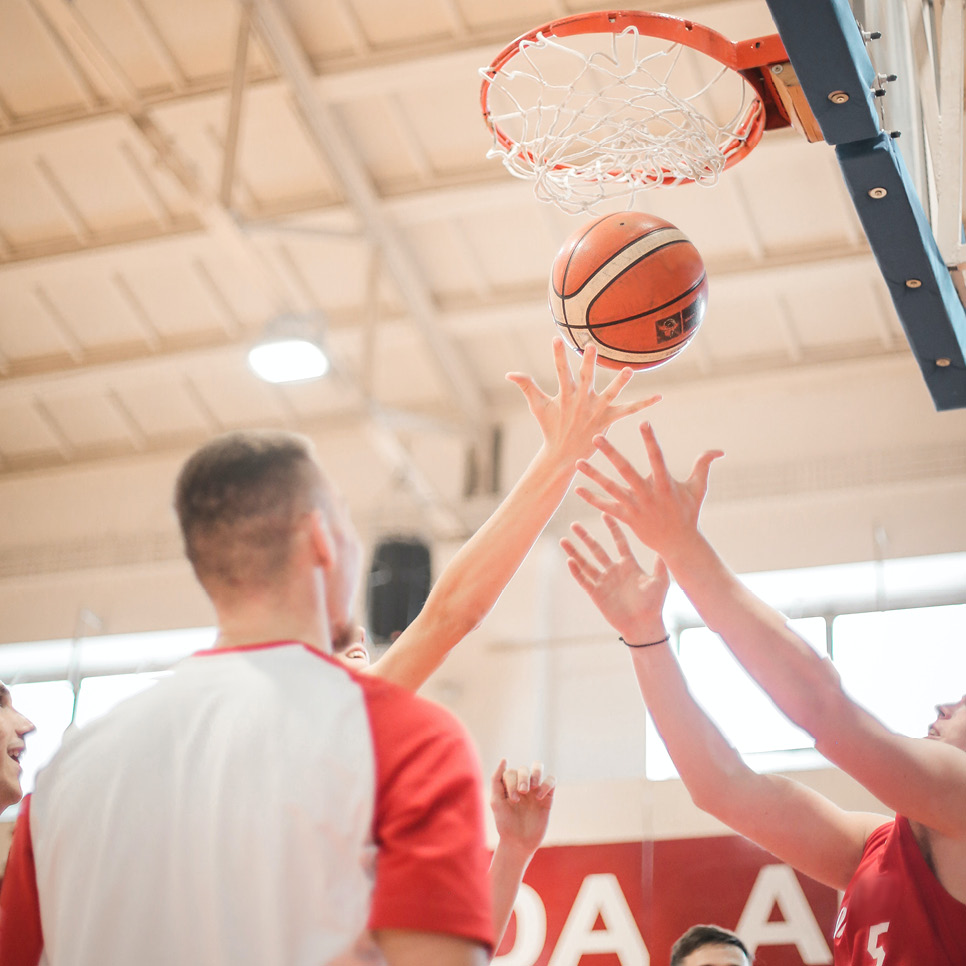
[465, 193]
[134, 368]
[40, 256]
[418, 66]
[369, 72]
[845, 366]
[233, 125]
[333, 143]
[89, 49]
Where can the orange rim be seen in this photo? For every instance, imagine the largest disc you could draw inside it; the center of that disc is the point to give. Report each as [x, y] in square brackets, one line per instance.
[744, 57]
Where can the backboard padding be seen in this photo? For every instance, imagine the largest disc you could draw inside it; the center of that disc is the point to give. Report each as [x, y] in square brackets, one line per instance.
[828, 51]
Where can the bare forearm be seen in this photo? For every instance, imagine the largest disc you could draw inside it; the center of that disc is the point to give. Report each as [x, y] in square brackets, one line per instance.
[791, 821]
[707, 763]
[801, 683]
[483, 567]
[915, 778]
[506, 873]
[701, 754]
[473, 580]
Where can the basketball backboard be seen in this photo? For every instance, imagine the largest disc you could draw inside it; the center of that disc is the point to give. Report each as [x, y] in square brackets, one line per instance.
[884, 79]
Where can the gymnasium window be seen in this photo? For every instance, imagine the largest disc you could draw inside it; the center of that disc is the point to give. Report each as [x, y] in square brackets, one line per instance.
[104, 671]
[897, 659]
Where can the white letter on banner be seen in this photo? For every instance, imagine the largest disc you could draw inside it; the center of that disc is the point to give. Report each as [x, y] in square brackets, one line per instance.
[600, 895]
[779, 884]
[531, 930]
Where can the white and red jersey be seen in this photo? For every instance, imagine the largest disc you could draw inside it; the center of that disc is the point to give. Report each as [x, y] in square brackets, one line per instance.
[260, 805]
[895, 912]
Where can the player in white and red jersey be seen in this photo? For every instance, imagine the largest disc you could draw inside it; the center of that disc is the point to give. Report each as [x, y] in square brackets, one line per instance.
[263, 804]
[905, 878]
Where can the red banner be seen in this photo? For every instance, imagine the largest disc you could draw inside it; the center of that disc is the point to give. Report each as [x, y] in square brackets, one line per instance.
[625, 904]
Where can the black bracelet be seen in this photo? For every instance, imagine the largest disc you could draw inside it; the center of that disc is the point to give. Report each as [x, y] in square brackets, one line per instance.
[663, 640]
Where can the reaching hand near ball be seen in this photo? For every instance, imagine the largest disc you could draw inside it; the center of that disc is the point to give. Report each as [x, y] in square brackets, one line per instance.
[660, 510]
[630, 599]
[570, 419]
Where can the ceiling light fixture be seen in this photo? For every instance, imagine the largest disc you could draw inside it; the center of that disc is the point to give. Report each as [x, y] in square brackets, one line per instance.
[290, 350]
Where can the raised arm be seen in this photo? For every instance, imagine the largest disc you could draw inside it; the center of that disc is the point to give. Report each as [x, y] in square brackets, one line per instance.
[786, 818]
[474, 579]
[923, 780]
[521, 799]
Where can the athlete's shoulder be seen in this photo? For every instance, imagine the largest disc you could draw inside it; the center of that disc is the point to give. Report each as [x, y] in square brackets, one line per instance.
[385, 698]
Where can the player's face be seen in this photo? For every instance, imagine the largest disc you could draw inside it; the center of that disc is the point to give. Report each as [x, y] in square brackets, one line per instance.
[716, 954]
[350, 649]
[13, 727]
[950, 724]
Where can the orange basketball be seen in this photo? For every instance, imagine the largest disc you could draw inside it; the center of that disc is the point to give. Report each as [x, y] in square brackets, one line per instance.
[632, 284]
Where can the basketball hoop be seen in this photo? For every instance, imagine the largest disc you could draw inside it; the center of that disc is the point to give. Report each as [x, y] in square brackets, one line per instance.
[603, 105]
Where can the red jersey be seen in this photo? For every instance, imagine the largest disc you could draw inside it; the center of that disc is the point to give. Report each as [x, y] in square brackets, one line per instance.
[895, 911]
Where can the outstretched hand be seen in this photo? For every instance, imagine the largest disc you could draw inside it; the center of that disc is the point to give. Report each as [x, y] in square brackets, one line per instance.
[659, 509]
[630, 599]
[521, 799]
[577, 413]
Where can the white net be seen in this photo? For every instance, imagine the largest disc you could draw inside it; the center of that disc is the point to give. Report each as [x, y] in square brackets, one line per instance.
[599, 116]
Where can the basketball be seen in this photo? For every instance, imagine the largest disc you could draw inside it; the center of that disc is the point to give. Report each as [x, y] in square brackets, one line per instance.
[632, 284]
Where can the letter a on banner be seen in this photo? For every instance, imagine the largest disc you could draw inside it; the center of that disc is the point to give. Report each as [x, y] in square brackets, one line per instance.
[778, 884]
[600, 895]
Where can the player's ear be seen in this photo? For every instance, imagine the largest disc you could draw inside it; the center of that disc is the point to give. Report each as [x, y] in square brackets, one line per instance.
[320, 538]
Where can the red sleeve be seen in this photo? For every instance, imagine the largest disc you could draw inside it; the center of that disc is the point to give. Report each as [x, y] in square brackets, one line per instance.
[21, 940]
[431, 866]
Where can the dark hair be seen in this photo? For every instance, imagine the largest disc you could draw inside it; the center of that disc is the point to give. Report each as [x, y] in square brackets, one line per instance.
[698, 936]
[238, 499]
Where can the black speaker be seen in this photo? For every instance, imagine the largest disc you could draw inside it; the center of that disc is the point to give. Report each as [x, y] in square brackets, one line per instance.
[399, 582]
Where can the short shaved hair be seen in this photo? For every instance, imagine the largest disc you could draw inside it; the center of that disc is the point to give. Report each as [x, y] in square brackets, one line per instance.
[238, 499]
[705, 935]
